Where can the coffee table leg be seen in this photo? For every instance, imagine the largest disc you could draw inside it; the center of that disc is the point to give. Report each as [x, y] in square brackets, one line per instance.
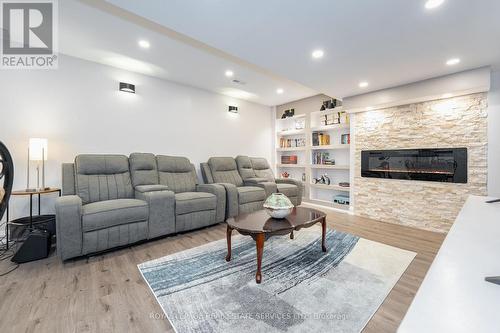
[229, 231]
[291, 235]
[323, 235]
[259, 240]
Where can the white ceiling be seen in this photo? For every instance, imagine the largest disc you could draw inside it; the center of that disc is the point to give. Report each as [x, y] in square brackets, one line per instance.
[385, 42]
[99, 33]
[268, 43]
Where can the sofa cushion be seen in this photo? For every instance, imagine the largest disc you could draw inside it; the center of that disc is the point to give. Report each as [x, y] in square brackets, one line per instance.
[188, 202]
[224, 170]
[105, 214]
[248, 194]
[289, 190]
[177, 173]
[102, 177]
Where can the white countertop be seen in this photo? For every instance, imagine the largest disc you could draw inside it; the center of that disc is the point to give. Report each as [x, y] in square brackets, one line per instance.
[454, 296]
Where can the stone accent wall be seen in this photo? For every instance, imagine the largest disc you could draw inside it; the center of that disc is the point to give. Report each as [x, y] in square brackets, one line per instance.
[446, 123]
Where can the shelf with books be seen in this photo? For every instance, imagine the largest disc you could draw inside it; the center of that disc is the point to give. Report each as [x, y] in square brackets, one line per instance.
[328, 166]
[329, 119]
[331, 128]
[291, 165]
[325, 128]
[291, 132]
[331, 147]
[291, 149]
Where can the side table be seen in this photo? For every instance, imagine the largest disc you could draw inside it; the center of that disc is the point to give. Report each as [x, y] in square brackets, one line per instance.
[30, 221]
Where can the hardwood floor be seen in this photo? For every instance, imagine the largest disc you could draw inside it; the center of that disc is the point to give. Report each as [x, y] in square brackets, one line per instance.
[106, 293]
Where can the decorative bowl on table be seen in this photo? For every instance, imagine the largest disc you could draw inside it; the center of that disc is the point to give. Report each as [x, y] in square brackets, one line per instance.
[278, 206]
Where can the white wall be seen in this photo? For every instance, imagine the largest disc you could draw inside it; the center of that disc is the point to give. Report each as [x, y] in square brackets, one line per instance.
[494, 136]
[79, 109]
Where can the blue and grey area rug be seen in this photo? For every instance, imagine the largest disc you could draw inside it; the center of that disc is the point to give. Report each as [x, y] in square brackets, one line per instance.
[302, 289]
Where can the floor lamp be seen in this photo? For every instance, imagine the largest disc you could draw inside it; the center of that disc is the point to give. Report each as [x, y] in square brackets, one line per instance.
[38, 152]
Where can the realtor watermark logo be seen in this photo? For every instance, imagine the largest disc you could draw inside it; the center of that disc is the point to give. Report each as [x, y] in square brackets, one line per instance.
[29, 34]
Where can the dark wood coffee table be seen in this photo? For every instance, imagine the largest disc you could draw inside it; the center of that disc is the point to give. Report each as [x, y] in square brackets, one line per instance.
[260, 226]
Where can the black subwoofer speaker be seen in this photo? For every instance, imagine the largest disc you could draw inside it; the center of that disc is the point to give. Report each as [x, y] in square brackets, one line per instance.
[35, 246]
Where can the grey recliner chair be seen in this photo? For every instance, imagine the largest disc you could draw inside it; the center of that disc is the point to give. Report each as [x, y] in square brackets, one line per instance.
[256, 170]
[240, 197]
[194, 206]
[100, 210]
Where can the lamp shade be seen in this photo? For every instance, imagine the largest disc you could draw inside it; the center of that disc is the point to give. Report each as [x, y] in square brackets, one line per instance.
[38, 149]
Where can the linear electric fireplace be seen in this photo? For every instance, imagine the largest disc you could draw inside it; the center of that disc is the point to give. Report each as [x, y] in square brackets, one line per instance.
[436, 165]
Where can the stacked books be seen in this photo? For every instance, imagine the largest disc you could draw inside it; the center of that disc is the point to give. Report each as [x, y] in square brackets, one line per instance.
[289, 159]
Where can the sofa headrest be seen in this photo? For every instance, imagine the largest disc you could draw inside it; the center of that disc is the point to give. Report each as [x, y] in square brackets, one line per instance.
[101, 164]
[173, 164]
[222, 164]
[142, 162]
[243, 162]
[260, 163]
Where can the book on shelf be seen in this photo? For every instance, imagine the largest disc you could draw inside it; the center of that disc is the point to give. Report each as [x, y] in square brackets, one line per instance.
[345, 139]
[289, 159]
[320, 139]
[315, 139]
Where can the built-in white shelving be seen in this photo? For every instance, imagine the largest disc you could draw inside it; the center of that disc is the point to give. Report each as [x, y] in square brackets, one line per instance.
[291, 132]
[300, 166]
[333, 167]
[332, 187]
[300, 129]
[330, 147]
[291, 149]
[329, 127]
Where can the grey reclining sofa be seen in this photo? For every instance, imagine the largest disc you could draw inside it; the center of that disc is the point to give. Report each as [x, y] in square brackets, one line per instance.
[256, 170]
[108, 202]
[195, 205]
[241, 197]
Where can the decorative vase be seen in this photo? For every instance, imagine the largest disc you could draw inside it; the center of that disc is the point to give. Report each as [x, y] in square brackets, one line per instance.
[278, 206]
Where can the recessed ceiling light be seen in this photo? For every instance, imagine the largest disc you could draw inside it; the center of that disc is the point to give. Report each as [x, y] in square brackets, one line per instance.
[453, 61]
[144, 44]
[431, 4]
[317, 54]
[229, 73]
[279, 91]
[363, 84]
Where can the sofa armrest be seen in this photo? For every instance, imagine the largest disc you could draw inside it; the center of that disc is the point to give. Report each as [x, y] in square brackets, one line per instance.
[232, 199]
[161, 211]
[255, 180]
[269, 187]
[151, 188]
[295, 182]
[69, 226]
[220, 192]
